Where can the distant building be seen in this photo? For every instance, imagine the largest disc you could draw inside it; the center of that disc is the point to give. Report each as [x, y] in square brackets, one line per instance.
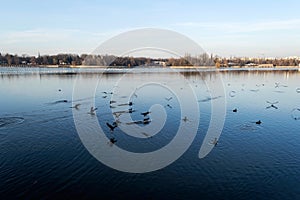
[266, 65]
[159, 63]
[231, 64]
[251, 65]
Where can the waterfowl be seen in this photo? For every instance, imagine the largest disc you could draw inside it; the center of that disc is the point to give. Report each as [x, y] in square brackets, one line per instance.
[76, 106]
[145, 113]
[92, 110]
[146, 121]
[111, 127]
[112, 140]
[107, 92]
[169, 106]
[258, 122]
[272, 105]
[126, 104]
[185, 119]
[117, 114]
[135, 95]
[215, 142]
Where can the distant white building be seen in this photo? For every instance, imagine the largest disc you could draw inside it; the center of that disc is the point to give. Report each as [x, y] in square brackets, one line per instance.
[160, 63]
[266, 65]
[251, 65]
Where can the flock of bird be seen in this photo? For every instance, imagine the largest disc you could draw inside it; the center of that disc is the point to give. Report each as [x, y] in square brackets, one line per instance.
[146, 119]
[295, 113]
[114, 104]
[271, 104]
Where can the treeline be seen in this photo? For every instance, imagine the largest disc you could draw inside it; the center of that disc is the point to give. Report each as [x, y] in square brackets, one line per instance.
[187, 60]
[110, 60]
[103, 60]
[225, 62]
[60, 59]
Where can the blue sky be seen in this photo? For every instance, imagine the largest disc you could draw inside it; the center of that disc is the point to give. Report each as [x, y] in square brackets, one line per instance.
[227, 28]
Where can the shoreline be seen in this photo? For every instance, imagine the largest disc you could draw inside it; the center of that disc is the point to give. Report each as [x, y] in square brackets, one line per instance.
[43, 70]
[146, 67]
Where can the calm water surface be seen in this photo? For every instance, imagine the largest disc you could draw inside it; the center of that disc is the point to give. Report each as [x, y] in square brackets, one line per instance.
[42, 156]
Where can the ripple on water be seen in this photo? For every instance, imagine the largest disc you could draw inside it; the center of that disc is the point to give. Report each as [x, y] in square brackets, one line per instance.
[6, 122]
[248, 126]
[295, 113]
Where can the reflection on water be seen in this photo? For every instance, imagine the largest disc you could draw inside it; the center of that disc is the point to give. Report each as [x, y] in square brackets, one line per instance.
[295, 114]
[248, 126]
[42, 155]
[10, 121]
[207, 99]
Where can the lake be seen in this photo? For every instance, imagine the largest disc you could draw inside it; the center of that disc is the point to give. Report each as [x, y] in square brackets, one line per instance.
[86, 133]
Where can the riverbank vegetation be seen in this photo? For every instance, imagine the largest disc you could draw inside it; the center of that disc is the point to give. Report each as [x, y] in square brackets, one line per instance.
[110, 60]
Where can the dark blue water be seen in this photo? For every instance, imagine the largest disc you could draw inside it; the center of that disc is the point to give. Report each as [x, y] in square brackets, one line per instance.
[43, 156]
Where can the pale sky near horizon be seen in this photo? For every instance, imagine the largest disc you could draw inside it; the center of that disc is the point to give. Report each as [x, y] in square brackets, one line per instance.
[226, 28]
